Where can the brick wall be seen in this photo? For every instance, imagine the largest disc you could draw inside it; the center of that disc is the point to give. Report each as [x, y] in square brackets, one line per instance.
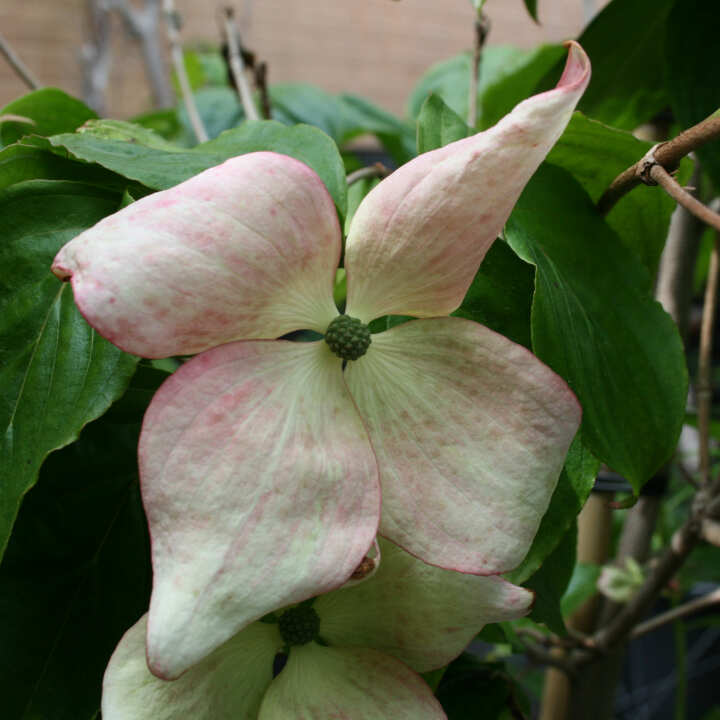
[375, 48]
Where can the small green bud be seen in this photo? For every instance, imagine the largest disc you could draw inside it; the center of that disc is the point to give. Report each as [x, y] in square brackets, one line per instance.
[299, 625]
[347, 337]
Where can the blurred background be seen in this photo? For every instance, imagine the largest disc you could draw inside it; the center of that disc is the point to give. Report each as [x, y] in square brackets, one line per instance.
[375, 48]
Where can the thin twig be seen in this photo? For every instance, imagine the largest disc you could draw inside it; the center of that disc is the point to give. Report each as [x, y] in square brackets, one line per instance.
[261, 85]
[482, 28]
[677, 613]
[704, 382]
[378, 170]
[667, 154]
[18, 65]
[236, 66]
[662, 177]
[172, 21]
[554, 657]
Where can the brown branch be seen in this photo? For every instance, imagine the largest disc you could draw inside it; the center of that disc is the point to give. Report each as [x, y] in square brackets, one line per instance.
[172, 21]
[378, 170]
[704, 382]
[260, 78]
[18, 65]
[667, 154]
[621, 625]
[237, 67]
[660, 176]
[482, 28]
[677, 613]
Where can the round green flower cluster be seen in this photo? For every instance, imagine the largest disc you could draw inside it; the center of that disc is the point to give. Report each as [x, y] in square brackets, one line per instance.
[347, 337]
[299, 625]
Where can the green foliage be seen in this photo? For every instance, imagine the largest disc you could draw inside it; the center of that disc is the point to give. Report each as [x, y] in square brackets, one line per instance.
[56, 373]
[531, 7]
[626, 43]
[515, 81]
[162, 168]
[472, 688]
[550, 582]
[438, 125]
[595, 155]
[76, 573]
[693, 66]
[51, 110]
[595, 323]
[500, 295]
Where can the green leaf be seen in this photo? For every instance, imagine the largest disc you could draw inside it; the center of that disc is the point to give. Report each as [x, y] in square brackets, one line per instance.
[595, 324]
[438, 125]
[219, 109]
[626, 44]
[531, 7]
[471, 688]
[551, 581]
[75, 576]
[396, 136]
[52, 110]
[164, 122]
[22, 162]
[161, 169]
[56, 373]
[582, 586]
[500, 295]
[516, 80]
[595, 155]
[450, 79]
[128, 132]
[573, 488]
[693, 66]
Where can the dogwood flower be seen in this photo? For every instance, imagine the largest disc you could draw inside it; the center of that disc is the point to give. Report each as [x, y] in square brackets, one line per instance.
[261, 460]
[408, 618]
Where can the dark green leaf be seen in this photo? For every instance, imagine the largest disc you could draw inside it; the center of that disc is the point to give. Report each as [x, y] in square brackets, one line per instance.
[295, 103]
[438, 125]
[575, 483]
[75, 576]
[473, 689]
[160, 169]
[515, 81]
[51, 110]
[501, 294]
[531, 7]
[450, 79]
[693, 67]
[164, 122]
[56, 373]
[582, 586]
[595, 155]
[551, 581]
[595, 324]
[626, 44]
[397, 137]
[21, 162]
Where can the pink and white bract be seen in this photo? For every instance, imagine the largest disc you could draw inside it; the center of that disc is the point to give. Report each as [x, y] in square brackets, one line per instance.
[262, 460]
[408, 618]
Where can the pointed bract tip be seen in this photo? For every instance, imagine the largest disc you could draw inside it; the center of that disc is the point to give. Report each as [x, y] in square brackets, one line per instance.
[60, 272]
[576, 74]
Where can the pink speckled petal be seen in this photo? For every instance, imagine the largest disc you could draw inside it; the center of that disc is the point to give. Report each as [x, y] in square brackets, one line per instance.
[229, 684]
[420, 614]
[325, 683]
[417, 239]
[470, 432]
[247, 249]
[260, 487]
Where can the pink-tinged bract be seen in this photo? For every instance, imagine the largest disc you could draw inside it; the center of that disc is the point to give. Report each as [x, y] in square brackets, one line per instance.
[409, 617]
[471, 432]
[418, 238]
[244, 250]
[260, 487]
